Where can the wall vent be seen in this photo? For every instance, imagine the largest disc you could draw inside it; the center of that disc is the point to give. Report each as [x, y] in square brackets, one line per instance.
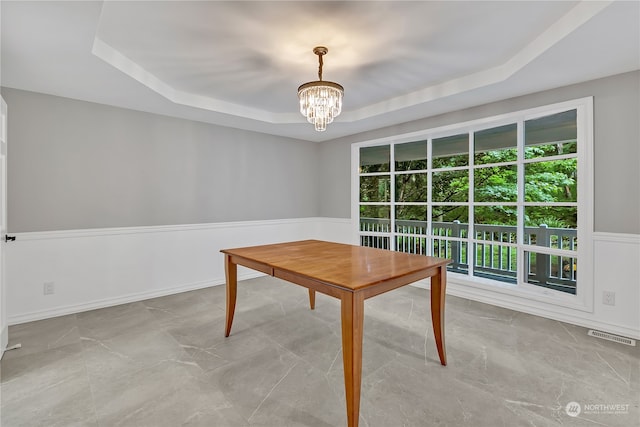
[611, 337]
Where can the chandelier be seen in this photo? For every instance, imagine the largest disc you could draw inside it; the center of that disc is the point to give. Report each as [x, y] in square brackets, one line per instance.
[320, 101]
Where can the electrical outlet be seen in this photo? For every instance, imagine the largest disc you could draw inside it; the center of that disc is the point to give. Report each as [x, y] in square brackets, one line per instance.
[608, 298]
[49, 288]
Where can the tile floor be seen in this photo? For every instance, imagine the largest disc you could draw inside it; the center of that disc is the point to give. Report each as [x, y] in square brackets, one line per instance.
[165, 362]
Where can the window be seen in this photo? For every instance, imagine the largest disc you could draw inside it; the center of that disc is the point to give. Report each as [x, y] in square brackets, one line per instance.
[505, 198]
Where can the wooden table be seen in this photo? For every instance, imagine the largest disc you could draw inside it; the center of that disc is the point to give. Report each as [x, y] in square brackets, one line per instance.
[351, 274]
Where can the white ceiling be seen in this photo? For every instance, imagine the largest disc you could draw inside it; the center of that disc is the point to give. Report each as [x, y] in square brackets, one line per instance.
[239, 63]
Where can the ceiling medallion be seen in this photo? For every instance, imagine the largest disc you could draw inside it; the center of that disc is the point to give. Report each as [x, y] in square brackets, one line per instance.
[320, 101]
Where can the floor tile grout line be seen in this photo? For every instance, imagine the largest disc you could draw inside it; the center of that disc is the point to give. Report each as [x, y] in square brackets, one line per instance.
[89, 382]
[272, 389]
[521, 331]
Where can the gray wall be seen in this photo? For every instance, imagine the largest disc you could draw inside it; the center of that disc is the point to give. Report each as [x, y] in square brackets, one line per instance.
[616, 139]
[75, 165]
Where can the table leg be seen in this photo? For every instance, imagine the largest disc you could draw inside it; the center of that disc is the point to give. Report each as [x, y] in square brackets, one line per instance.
[231, 272]
[352, 307]
[312, 299]
[438, 293]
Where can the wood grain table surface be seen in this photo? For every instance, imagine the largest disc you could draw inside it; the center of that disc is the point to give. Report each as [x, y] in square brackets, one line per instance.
[351, 274]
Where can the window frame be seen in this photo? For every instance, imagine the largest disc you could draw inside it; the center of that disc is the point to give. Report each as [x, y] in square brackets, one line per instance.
[583, 299]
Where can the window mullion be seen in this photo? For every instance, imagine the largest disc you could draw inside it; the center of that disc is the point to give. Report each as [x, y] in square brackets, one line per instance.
[520, 264]
[392, 195]
[429, 197]
[471, 246]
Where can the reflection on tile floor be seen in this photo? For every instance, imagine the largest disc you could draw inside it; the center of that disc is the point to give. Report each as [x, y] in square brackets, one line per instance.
[165, 362]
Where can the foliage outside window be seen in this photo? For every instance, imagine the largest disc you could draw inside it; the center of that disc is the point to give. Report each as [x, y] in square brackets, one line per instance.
[500, 200]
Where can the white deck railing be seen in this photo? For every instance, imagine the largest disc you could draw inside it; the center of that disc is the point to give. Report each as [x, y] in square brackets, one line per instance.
[493, 259]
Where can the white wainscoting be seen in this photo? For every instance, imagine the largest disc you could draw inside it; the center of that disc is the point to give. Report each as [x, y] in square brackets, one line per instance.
[103, 267]
[616, 268]
[338, 230]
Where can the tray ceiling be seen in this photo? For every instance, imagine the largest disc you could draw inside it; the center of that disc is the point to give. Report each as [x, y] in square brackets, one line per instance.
[239, 63]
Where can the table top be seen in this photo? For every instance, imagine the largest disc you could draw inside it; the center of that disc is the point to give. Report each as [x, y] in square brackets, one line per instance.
[347, 266]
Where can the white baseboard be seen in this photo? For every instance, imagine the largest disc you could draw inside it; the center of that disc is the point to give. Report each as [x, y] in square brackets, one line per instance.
[567, 316]
[523, 306]
[4, 340]
[124, 299]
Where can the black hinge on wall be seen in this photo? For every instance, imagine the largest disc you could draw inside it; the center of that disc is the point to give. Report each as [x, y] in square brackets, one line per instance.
[8, 238]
